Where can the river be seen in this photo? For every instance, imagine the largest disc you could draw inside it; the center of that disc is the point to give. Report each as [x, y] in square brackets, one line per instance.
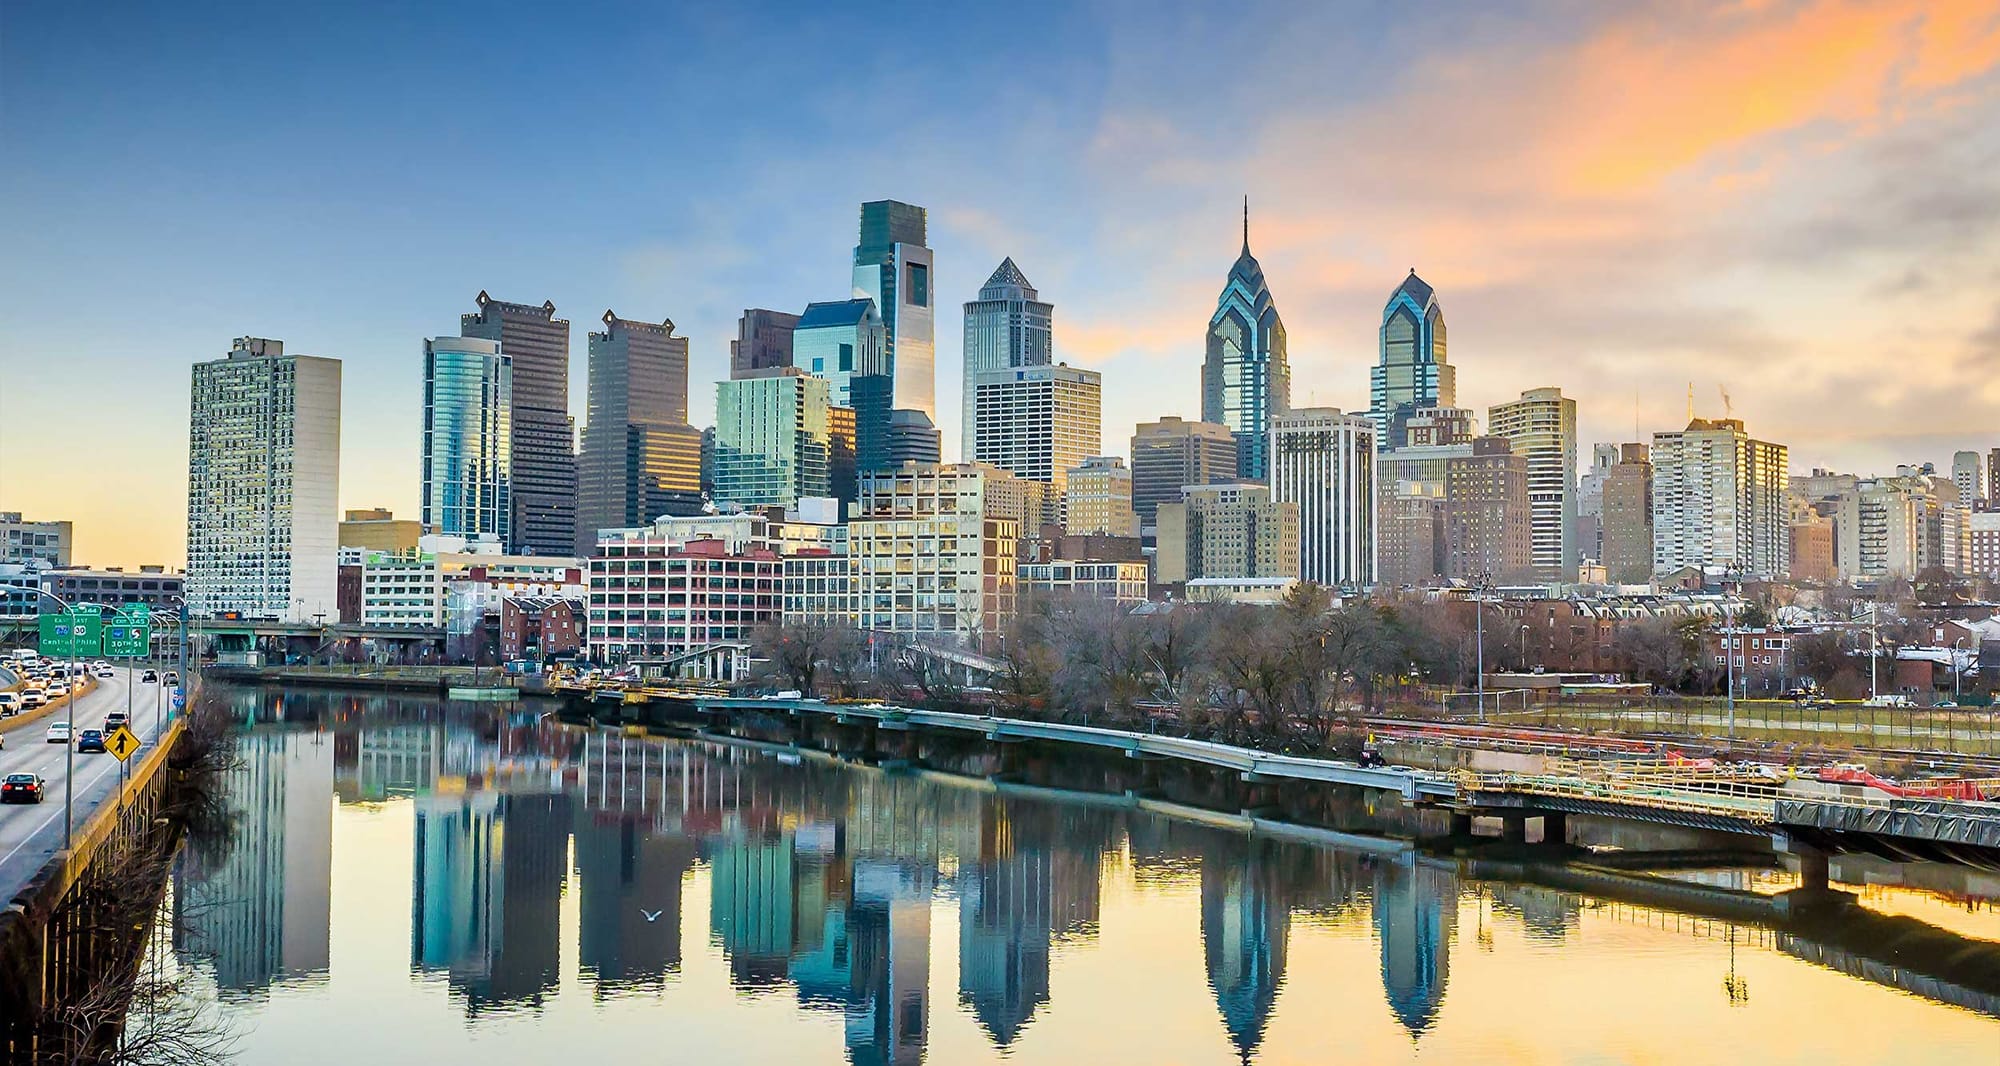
[416, 882]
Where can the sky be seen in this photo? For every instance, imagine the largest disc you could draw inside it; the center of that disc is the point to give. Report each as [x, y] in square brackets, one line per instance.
[1790, 210]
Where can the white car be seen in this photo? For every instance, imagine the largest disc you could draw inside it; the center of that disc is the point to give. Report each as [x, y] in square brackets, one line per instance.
[58, 733]
[10, 703]
[105, 672]
[57, 689]
[32, 698]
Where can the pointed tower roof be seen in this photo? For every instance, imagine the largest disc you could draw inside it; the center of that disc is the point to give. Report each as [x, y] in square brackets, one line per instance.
[1418, 288]
[1007, 276]
[1246, 266]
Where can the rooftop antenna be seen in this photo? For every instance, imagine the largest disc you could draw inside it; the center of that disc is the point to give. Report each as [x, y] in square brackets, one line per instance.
[1246, 223]
[1690, 402]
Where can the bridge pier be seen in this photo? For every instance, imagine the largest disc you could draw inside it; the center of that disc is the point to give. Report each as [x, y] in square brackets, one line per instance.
[1555, 827]
[1461, 823]
[1514, 827]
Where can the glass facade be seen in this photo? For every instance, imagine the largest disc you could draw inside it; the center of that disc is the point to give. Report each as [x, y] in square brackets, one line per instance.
[640, 458]
[773, 439]
[844, 342]
[1246, 377]
[1412, 372]
[1008, 326]
[892, 267]
[542, 449]
[468, 437]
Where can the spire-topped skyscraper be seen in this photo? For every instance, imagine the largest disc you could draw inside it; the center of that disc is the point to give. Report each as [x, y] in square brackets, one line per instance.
[1008, 326]
[1412, 372]
[1245, 378]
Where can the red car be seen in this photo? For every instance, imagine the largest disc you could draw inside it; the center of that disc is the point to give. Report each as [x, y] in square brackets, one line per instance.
[21, 788]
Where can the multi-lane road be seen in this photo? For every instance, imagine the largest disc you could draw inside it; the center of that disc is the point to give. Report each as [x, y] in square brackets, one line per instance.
[32, 833]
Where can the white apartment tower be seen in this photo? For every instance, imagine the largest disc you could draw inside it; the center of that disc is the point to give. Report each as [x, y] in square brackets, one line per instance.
[1324, 461]
[1040, 422]
[1968, 473]
[263, 478]
[1542, 426]
[1719, 500]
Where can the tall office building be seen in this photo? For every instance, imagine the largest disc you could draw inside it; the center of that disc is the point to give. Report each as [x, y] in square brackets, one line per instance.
[1486, 526]
[1008, 326]
[640, 457]
[844, 342]
[1227, 531]
[1628, 516]
[1590, 501]
[1245, 377]
[1412, 371]
[468, 429]
[1098, 499]
[1968, 474]
[1039, 421]
[263, 480]
[892, 267]
[1541, 425]
[1719, 500]
[1173, 453]
[1324, 461]
[773, 438]
[542, 484]
[763, 340]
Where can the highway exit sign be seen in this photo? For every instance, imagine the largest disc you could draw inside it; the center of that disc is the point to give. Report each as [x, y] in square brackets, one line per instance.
[71, 634]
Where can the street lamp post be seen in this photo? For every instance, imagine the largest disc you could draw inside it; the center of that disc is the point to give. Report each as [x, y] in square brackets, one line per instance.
[1479, 652]
[1524, 647]
[69, 748]
[1957, 670]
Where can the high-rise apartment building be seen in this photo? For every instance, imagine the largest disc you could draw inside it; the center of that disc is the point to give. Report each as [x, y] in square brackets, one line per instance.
[542, 484]
[892, 266]
[1173, 453]
[1412, 370]
[1227, 531]
[1982, 544]
[1627, 507]
[1324, 461]
[22, 541]
[640, 457]
[1409, 533]
[763, 340]
[1098, 499]
[1887, 528]
[844, 342]
[1969, 474]
[1541, 425]
[773, 438]
[1487, 534]
[1719, 500]
[468, 429]
[1246, 376]
[932, 555]
[1038, 421]
[263, 481]
[1008, 326]
[1811, 550]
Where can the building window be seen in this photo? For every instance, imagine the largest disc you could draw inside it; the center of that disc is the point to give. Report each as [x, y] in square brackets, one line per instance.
[919, 285]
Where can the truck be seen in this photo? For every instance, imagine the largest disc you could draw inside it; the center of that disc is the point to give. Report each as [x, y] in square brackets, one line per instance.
[1889, 700]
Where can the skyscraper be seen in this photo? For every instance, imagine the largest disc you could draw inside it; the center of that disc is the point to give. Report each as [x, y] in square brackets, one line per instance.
[1486, 535]
[1412, 371]
[1719, 500]
[640, 457]
[1173, 453]
[1245, 377]
[892, 267]
[542, 453]
[763, 340]
[1324, 461]
[1590, 501]
[773, 438]
[844, 342]
[913, 438]
[468, 399]
[1628, 517]
[1541, 425]
[1008, 326]
[263, 480]
[1039, 421]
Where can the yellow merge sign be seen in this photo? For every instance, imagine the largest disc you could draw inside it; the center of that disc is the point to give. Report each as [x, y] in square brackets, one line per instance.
[121, 743]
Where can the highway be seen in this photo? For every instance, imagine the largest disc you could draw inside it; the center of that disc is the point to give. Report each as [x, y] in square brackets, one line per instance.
[32, 833]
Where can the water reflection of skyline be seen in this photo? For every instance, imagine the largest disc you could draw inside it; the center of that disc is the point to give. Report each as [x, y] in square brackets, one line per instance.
[822, 881]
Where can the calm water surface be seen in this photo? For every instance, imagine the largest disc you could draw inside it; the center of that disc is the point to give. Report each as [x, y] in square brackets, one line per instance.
[417, 883]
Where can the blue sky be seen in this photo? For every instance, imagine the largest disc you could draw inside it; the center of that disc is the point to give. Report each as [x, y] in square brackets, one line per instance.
[1778, 200]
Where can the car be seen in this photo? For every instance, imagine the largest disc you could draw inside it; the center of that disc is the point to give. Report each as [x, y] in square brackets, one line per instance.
[57, 690]
[21, 788]
[150, 677]
[100, 665]
[79, 670]
[105, 672]
[58, 733]
[115, 719]
[90, 740]
[173, 677]
[10, 703]
[32, 698]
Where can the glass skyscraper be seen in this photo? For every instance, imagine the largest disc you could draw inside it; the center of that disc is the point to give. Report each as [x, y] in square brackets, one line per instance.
[844, 342]
[468, 430]
[1245, 378]
[1008, 326]
[773, 438]
[1412, 372]
[893, 268]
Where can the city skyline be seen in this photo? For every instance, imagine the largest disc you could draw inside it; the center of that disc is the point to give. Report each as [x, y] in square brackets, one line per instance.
[1778, 252]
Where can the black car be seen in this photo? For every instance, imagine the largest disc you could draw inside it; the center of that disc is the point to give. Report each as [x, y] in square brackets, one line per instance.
[90, 740]
[150, 677]
[21, 788]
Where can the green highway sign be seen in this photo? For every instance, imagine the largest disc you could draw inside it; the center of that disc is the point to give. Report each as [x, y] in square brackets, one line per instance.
[123, 638]
[72, 634]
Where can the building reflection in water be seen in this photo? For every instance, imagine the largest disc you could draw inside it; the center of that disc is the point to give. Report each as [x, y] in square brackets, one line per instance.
[822, 880]
[257, 907]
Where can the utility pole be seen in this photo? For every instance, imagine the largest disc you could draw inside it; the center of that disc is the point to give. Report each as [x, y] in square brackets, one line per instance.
[1874, 637]
[1479, 651]
[1729, 658]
